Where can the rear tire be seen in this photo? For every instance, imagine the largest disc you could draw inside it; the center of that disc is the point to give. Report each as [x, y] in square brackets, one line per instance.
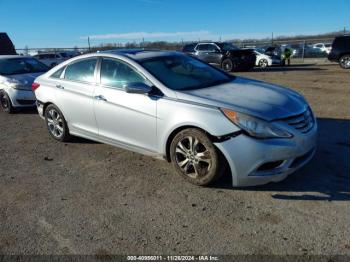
[56, 124]
[227, 65]
[5, 103]
[196, 158]
[344, 62]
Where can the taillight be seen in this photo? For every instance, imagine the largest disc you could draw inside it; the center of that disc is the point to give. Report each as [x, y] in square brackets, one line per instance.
[35, 86]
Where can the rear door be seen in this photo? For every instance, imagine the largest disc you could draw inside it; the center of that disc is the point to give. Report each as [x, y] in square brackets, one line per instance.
[209, 53]
[74, 95]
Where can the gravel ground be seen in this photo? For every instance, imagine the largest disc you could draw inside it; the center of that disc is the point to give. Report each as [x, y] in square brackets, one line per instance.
[84, 197]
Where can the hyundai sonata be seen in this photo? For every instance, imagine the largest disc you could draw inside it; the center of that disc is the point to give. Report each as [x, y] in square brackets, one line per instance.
[173, 106]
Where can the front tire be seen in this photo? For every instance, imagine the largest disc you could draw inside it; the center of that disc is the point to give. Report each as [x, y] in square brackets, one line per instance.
[196, 158]
[5, 103]
[344, 62]
[263, 63]
[56, 123]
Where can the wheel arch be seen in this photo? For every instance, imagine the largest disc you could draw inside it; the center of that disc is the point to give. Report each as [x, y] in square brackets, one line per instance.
[177, 130]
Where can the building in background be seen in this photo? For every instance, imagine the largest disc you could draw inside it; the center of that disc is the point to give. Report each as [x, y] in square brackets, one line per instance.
[6, 45]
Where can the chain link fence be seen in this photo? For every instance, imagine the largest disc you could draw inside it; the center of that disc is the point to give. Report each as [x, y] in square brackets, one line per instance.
[301, 48]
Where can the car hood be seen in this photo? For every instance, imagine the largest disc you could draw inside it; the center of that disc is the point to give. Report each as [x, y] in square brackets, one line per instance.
[25, 80]
[256, 98]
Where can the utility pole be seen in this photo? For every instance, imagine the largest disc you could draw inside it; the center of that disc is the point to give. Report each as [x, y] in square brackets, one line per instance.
[89, 43]
[272, 38]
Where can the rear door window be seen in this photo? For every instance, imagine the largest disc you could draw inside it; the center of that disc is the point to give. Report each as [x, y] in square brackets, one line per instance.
[81, 71]
[203, 47]
[58, 73]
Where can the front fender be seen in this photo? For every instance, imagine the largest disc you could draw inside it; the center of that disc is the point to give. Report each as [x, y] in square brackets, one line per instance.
[174, 114]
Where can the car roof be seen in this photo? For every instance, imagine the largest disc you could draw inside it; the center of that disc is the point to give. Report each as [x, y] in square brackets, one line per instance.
[13, 56]
[140, 54]
[49, 53]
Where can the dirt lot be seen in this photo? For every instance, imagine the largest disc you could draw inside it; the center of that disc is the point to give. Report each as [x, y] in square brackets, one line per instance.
[89, 198]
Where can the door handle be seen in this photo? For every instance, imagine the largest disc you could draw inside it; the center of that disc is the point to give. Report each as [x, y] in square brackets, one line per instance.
[59, 87]
[100, 97]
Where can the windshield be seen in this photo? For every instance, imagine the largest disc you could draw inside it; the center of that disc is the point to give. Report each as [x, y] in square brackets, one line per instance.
[227, 46]
[14, 66]
[180, 72]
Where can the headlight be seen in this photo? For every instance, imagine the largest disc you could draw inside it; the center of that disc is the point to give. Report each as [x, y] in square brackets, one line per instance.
[254, 126]
[14, 83]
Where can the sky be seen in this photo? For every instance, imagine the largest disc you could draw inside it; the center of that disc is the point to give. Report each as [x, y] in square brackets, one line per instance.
[68, 23]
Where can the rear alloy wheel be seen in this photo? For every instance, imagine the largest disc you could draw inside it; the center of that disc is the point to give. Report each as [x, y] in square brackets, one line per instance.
[263, 63]
[196, 158]
[56, 124]
[5, 103]
[344, 62]
[227, 65]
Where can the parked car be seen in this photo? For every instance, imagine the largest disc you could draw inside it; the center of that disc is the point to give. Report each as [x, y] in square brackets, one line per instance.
[70, 54]
[323, 47]
[311, 52]
[17, 74]
[340, 52]
[173, 106]
[273, 51]
[263, 60]
[52, 59]
[226, 55]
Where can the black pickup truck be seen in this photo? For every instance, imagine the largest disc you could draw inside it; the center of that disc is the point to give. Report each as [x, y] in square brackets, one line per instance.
[226, 55]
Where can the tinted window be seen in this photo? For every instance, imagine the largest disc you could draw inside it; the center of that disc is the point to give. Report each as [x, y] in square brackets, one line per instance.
[117, 74]
[82, 70]
[15, 66]
[189, 48]
[58, 73]
[203, 47]
[181, 72]
[227, 46]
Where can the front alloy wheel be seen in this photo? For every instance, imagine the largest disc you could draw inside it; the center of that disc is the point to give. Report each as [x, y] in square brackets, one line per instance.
[263, 63]
[56, 124]
[344, 62]
[195, 157]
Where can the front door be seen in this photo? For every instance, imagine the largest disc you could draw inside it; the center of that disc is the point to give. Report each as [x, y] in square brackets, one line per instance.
[124, 118]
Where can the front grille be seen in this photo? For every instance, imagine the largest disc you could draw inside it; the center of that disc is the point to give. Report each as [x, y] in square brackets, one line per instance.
[303, 122]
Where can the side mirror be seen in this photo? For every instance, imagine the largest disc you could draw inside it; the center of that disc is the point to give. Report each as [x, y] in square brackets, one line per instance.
[137, 88]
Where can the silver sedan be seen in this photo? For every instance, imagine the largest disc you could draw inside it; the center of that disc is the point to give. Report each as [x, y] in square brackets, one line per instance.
[175, 107]
[17, 74]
